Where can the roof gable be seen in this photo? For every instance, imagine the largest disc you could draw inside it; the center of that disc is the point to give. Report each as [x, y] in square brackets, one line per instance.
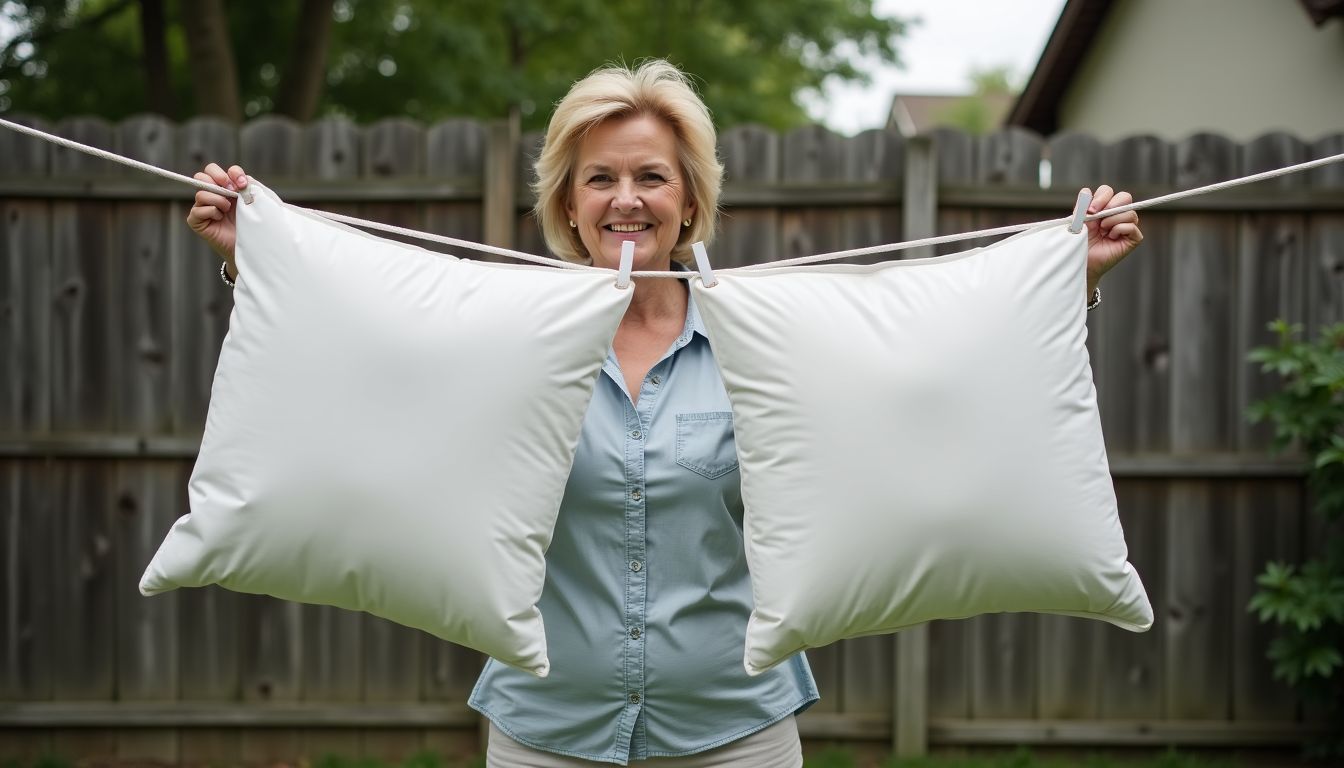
[1037, 107]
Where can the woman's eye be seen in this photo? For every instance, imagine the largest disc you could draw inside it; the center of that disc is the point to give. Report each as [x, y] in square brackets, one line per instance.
[599, 179]
[652, 177]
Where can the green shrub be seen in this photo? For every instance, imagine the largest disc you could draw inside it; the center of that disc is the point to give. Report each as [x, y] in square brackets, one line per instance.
[1305, 601]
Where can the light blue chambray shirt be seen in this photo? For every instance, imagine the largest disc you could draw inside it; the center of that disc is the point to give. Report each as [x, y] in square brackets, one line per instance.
[647, 593]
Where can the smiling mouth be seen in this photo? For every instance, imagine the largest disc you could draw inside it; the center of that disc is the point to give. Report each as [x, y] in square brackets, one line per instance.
[626, 228]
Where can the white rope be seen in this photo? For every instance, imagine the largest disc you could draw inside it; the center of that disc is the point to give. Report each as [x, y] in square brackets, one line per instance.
[112, 156]
[1008, 230]
[543, 260]
[889, 247]
[547, 261]
[167, 174]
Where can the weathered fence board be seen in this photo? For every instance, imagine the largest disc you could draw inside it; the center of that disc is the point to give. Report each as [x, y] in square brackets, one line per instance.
[1198, 621]
[1267, 525]
[26, 628]
[112, 314]
[25, 271]
[1070, 651]
[1133, 677]
[146, 632]
[1134, 332]
[1325, 237]
[147, 501]
[1203, 419]
[83, 580]
[751, 157]
[209, 644]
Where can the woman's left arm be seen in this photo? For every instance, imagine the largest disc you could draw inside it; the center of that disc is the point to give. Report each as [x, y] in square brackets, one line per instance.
[1112, 238]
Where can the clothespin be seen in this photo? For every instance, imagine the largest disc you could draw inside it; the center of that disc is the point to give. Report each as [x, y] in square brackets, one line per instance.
[1080, 211]
[627, 264]
[707, 277]
[244, 194]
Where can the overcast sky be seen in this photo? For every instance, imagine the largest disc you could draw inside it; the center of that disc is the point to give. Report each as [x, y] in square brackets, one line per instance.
[954, 38]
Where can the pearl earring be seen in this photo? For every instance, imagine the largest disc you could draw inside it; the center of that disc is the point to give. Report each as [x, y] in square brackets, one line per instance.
[686, 223]
[572, 225]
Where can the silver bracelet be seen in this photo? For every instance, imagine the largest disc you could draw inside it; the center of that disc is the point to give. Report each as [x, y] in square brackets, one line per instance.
[1096, 299]
[224, 273]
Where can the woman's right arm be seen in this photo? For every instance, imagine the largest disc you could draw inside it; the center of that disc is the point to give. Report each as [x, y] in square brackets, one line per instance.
[212, 216]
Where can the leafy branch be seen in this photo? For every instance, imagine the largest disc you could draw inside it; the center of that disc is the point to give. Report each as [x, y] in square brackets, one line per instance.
[1305, 602]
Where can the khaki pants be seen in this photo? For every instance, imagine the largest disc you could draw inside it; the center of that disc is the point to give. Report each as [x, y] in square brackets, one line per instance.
[775, 746]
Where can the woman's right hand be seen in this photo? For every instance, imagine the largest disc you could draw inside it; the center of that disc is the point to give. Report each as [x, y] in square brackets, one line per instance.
[212, 216]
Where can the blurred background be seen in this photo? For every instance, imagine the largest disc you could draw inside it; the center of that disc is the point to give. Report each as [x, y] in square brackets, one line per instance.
[843, 123]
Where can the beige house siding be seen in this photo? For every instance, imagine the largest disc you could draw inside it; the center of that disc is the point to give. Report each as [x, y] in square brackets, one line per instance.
[1241, 68]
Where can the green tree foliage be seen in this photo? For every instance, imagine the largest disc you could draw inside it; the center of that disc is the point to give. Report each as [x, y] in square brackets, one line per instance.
[1305, 601]
[427, 59]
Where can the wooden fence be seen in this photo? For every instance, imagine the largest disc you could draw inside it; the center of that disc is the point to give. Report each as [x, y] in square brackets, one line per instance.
[111, 317]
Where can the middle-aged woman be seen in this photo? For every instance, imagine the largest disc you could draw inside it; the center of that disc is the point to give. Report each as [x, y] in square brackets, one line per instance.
[647, 592]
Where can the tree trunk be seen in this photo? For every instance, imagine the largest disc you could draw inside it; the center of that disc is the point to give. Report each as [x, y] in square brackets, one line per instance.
[301, 84]
[158, 90]
[214, 76]
[517, 62]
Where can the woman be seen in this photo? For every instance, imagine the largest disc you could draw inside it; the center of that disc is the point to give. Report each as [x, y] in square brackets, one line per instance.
[647, 592]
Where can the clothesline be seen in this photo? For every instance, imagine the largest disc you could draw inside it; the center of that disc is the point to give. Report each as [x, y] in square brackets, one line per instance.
[548, 261]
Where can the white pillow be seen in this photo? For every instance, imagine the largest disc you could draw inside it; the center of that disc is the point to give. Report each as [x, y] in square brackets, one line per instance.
[919, 440]
[390, 430]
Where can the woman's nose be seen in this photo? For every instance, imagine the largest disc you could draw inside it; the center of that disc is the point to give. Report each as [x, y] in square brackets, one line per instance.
[626, 197]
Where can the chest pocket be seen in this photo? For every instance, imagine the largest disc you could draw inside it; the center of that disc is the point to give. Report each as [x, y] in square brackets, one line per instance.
[705, 443]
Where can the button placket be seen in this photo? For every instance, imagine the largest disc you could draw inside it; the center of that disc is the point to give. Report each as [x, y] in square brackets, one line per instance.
[635, 525]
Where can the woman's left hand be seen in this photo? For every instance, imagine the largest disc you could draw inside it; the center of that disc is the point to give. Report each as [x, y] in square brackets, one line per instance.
[1112, 238]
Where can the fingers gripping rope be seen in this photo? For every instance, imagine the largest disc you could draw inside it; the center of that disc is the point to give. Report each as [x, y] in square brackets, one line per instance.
[885, 248]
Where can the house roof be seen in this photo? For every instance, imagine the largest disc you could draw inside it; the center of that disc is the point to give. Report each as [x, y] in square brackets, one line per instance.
[1321, 11]
[1037, 107]
[914, 113]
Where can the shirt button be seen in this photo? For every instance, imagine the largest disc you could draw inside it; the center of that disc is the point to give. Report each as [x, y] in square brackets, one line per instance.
[657, 380]
[636, 566]
[634, 633]
[636, 434]
[634, 698]
[636, 495]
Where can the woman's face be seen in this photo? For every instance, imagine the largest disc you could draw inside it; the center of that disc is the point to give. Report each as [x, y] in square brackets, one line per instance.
[627, 185]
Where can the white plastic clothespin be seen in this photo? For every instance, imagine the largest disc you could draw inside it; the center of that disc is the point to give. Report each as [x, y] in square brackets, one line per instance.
[707, 277]
[1080, 211]
[246, 193]
[627, 264]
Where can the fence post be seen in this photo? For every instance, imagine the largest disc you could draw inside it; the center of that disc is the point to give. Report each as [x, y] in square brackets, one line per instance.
[501, 183]
[910, 698]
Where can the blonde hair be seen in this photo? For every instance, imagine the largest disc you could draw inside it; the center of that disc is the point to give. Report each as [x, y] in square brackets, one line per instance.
[654, 88]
